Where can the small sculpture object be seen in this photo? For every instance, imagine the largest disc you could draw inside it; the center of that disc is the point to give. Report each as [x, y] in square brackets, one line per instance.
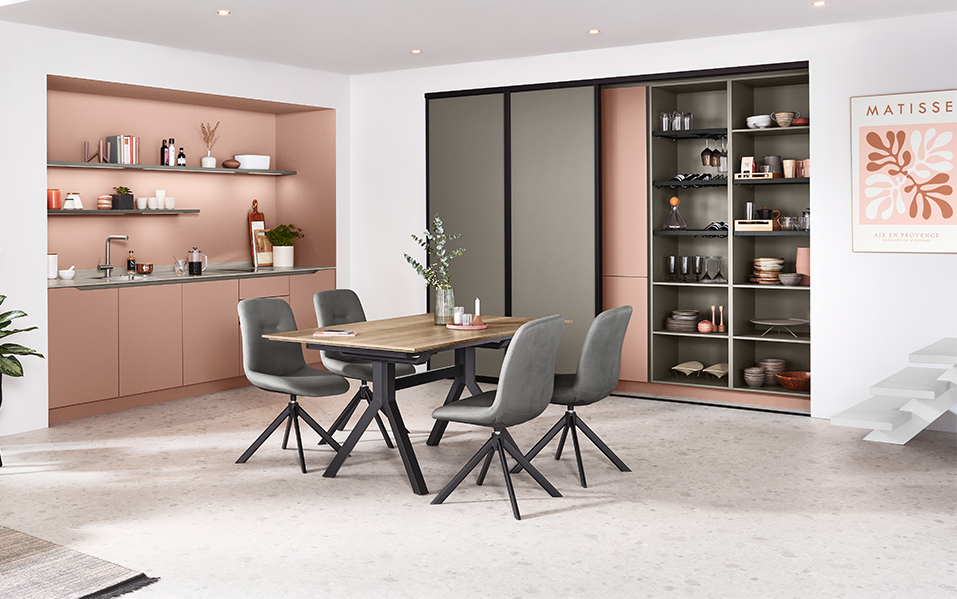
[721, 326]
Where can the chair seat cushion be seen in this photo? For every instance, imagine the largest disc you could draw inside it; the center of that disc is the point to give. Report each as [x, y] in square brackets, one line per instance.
[471, 410]
[564, 393]
[307, 382]
[360, 369]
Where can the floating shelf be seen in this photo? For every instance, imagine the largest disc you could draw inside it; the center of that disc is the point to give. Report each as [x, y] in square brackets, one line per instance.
[690, 184]
[717, 133]
[680, 334]
[779, 181]
[119, 212]
[771, 233]
[776, 337]
[681, 284]
[690, 232]
[774, 130]
[168, 169]
[778, 286]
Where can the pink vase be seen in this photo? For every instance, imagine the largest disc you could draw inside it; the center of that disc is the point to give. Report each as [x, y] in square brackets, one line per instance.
[804, 265]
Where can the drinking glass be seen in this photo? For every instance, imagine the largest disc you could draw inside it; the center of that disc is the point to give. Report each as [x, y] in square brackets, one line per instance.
[685, 268]
[697, 265]
[665, 121]
[672, 264]
[676, 119]
[687, 120]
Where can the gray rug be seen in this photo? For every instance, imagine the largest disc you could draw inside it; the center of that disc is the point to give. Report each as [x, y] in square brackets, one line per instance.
[31, 568]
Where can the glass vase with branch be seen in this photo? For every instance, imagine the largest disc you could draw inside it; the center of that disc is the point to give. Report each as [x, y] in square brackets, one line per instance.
[209, 138]
[436, 273]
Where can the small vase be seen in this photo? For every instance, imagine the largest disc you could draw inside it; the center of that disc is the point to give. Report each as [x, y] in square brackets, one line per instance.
[282, 255]
[208, 161]
[444, 306]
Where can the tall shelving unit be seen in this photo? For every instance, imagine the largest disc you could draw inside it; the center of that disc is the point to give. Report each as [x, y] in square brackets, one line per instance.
[720, 107]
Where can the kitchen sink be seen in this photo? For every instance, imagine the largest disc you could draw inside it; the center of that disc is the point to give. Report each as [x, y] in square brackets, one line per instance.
[122, 278]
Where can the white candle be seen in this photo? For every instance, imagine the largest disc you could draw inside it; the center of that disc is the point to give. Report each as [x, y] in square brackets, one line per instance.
[477, 307]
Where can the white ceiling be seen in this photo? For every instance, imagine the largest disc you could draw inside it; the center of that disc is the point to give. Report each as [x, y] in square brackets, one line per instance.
[366, 36]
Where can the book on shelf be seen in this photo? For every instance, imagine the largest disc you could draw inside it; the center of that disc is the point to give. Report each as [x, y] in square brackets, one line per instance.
[124, 149]
[334, 333]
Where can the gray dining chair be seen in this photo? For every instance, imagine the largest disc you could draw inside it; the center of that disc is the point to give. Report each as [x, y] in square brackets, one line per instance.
[524, 388]
[279, 367]
[599, 366]
[340, 307]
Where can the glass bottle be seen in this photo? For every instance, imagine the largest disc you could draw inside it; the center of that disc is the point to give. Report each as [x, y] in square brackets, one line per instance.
[164, 154]
[673, 220]
[172, 153]
[181, 157]
[130, 264]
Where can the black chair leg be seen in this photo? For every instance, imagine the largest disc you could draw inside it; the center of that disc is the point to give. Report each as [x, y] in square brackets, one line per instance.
[291, 414]
[364, 393]
[460, 476]
[601, 445]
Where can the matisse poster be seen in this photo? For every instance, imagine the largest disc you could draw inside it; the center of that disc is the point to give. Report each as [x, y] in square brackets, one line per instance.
[904, 163]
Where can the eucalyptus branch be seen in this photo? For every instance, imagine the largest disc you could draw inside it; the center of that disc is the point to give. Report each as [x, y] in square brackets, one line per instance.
[435, 274]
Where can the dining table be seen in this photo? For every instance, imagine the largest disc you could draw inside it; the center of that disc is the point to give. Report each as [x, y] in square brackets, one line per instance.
[405, 340]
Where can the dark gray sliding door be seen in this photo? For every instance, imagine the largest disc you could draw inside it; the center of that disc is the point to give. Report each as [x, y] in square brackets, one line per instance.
[466, 161]
[553, 210]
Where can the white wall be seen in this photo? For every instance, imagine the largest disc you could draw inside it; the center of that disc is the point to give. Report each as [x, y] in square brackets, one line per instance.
[868, 310]
[29, 54]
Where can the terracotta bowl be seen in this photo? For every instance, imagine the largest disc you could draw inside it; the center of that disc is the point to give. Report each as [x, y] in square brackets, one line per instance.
[144, 268]
[230, 163]
[795, 380]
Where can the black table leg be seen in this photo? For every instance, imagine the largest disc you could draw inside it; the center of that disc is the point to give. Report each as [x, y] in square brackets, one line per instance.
[361, 425]
[464, 357]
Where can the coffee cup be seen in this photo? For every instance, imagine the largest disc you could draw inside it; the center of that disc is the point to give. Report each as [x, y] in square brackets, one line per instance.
[151, 203]
[789, 168]
[170, 202]
[141, 203]
[784, 118]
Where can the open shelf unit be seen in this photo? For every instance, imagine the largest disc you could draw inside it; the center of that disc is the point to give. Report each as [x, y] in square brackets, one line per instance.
[119, 212]
[720, 106]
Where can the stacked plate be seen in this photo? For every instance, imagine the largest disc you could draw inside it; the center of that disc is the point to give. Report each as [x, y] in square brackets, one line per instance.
[682, 321]
[772, 366]
[766, 271]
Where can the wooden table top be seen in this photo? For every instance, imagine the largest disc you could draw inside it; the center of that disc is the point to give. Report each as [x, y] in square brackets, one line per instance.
[405, 334]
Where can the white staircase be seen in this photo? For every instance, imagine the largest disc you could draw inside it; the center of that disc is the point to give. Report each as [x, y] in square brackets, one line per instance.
[905, 403]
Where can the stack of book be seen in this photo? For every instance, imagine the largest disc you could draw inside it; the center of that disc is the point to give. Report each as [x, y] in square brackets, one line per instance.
[124, 149]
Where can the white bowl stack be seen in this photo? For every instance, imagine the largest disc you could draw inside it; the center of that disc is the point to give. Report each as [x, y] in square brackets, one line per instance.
[772, 366]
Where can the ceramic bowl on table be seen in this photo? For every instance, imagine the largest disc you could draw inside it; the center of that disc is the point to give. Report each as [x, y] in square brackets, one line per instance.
[67, 274]
[795, 380]
[144, 268]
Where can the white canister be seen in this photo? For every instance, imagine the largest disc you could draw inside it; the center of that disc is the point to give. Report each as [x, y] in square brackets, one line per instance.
[52, 266]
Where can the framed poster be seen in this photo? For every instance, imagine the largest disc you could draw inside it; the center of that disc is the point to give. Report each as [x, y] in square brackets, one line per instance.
[904, 163]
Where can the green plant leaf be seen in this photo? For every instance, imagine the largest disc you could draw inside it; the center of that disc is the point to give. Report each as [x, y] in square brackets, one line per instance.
[4, 333]
[10, 366]
[7, 349]
[6, 317]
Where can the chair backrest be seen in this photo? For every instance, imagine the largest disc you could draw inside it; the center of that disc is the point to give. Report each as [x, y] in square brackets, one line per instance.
[258, 317]
[599, 365]
[527, 377]
[337, 306]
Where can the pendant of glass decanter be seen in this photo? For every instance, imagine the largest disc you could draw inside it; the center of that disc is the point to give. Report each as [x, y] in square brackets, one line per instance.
[674, 220]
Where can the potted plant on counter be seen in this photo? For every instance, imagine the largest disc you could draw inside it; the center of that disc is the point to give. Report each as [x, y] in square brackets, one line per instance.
[9, 364]
[282, 238]
[436, 274]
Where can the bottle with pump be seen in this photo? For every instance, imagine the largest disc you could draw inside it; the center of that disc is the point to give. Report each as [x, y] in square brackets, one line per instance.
[172, 153]
[131, 264]
[181, 158]
[164, 154]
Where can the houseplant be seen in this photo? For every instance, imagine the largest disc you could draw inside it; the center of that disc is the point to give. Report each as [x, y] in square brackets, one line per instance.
[209, 138]
[436, 274]
[123, 198]
[282, 238]
[9, 364]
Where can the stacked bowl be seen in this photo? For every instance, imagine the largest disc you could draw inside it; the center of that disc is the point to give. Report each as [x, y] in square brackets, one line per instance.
[790, 279]
[682, 321]
[772, 366]
[754, 376]
[766, 271]
[759, 121]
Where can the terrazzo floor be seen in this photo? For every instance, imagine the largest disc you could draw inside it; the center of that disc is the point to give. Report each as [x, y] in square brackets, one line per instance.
[719, 503]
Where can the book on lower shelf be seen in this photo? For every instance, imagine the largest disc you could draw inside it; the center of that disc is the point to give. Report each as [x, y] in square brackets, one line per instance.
[334, 333]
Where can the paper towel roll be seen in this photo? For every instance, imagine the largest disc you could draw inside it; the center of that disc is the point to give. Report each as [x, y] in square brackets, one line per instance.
[51, 266]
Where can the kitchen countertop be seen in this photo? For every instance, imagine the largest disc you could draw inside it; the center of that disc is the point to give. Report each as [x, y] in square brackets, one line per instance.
[164, 275]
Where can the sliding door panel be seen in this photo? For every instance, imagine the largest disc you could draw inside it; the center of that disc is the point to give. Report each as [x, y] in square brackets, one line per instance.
[553, 210]
[466, 160]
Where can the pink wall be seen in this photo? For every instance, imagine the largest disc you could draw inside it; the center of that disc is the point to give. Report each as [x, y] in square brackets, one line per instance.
[223, 199]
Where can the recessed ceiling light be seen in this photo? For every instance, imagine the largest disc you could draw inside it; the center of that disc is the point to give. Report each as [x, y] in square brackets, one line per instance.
[417, 51]
[819, 3]
[223, 13]
[594, 31]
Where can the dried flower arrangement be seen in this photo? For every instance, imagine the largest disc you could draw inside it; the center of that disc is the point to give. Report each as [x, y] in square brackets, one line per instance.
[209, 134]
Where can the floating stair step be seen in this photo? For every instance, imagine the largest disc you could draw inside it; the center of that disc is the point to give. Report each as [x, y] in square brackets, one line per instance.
[941, 352]
[913, 382]
[923, 412]
[950, 376]
[880, 413]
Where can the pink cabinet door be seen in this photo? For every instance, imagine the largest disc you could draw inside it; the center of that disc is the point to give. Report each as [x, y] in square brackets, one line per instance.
[301, 290]
[210, 331]
[82, 346]
[264, 287]
[631, 291]
[151, 338]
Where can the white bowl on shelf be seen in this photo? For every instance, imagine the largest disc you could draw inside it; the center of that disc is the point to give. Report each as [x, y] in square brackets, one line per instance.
[759, 121]
[253, 161]
[66, 275]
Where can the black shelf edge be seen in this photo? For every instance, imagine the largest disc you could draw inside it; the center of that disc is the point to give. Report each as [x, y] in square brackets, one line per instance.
[779, 181]
[169, 169]
[119, 212]
[771, 233]
[690, 232]
[715, 133]
[774, 130]
[687, 184]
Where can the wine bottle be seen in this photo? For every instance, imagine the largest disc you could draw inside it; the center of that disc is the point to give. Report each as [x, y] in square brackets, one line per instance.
[181, 158]
[164, 154]
[172, 153]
